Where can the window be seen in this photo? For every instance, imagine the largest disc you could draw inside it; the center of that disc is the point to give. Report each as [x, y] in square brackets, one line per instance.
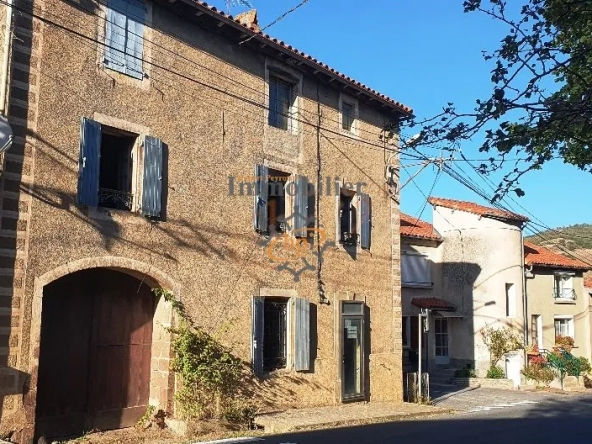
[415, 270]
[281, 102]
[348, 115]
[274, 333]
[116, 169]
[271, 334]
[510, 300]
[124, 36]
[108, 167]
[354, 218]
[406, 331]
[281, 202]
[564, 326]
[563, 287]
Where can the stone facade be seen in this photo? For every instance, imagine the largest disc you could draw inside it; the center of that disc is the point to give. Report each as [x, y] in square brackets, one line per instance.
[206, 97]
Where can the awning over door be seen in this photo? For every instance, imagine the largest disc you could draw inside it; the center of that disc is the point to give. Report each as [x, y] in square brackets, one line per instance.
[433, 304]
[449, 314]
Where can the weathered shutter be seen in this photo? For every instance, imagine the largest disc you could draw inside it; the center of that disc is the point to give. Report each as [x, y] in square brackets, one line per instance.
[89, 163]
[300, 212]
[273, 102]
[261, 197]
[115, 31]
[365, 220]
[302, 335]
[257, 335]
[152, 183]
[337, 218]
[415, 269]
[134, 44]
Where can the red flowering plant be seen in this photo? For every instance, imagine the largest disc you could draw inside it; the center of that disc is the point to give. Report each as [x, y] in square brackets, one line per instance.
[533, 349]
[538, 360]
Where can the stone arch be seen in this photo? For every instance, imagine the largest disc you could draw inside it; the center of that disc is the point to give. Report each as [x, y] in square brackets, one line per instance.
[161, 380]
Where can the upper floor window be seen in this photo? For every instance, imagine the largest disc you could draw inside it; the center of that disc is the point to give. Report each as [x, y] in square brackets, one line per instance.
[281, 102]
[564, 326]
[348, 115]
[109, 170]
[354, 218]
[415, 270]
[124, 36]
[563, 287]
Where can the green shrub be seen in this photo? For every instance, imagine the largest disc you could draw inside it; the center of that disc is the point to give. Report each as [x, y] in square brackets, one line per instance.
[496, 372]
[541, 374]
[585, 367]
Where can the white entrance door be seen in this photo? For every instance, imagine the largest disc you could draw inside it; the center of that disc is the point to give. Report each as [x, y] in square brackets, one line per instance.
[441, 331]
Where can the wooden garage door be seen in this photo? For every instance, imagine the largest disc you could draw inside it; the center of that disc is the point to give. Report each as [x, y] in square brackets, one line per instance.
[94, 367]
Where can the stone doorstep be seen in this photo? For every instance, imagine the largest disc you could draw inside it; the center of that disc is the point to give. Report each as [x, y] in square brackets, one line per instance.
[343, 416]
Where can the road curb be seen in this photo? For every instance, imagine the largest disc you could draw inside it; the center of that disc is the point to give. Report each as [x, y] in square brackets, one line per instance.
[278, 429]
[450, 395]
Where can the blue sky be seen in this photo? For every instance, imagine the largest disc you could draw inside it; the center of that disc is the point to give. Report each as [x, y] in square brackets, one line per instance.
[423, 54]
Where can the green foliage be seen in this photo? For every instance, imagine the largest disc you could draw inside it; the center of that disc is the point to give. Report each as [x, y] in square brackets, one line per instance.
[466, 372]
[496, 372]
[539, 105]
[146, 417]
[570, 238]
[585, 367]
[211, 376]
[542, 374]
[499, 342]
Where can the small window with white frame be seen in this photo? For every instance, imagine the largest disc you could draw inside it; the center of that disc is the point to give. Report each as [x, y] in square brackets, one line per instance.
[348, 115]
[564, 326]
[563, 288]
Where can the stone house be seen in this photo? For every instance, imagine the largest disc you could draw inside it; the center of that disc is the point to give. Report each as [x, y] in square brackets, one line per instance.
[558, 304]
[166, 144]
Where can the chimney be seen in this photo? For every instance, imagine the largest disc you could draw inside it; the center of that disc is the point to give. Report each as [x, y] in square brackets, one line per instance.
[249, 18]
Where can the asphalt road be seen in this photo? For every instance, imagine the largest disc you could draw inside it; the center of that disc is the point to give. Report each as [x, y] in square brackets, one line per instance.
[547, 419]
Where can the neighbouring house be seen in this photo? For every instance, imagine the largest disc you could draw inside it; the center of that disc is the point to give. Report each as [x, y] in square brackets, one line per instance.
[588, 296]
[166, 144]
[558, 304]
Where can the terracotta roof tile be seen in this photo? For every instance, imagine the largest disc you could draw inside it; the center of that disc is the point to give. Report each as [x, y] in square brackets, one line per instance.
[474, 208]
[543, 257]
[433, 304]
[412, 227]
[211, 10]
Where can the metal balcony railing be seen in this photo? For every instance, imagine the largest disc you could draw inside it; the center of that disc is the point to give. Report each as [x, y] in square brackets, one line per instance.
[115, 199]
[564, 293]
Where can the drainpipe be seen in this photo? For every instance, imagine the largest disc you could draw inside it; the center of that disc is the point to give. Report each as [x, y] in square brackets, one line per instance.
[6, 58]
[524, 299]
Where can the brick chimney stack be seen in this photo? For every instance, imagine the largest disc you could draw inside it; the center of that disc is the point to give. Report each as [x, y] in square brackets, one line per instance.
[249, 18]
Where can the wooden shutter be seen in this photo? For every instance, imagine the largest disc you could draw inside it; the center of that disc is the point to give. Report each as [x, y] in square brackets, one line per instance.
[134, 45]
[365, 221]
[152, 183]
[337, 218]
[115, 31]
[261, 198]
[302, 335]
[89, 163]
[257, 335]
[300, 202]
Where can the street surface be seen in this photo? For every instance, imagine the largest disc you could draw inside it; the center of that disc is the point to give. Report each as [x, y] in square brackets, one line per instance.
[486, 416]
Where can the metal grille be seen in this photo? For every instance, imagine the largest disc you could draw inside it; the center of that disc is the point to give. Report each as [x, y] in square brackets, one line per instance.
[274, 334]
[115, 199]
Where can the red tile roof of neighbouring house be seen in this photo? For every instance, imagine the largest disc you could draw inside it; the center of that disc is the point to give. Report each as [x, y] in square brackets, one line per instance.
[543, 257]
[588, 282]
[414, 227]
[299, 56]
[474, 208]
[433, 304]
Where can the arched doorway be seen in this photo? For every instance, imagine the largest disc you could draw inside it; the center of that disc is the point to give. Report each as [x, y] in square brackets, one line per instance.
[95, 352]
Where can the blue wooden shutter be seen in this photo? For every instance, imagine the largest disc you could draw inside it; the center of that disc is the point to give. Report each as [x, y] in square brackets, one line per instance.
[257, 335]
[89, 163]
[134, 45]
[366, 221]
[300, 211]
[152, 183]
[115, 35]
[261, 197]
[302, 335]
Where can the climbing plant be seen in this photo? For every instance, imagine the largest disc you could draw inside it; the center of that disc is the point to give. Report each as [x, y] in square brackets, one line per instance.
[499, 342]
[211, 376]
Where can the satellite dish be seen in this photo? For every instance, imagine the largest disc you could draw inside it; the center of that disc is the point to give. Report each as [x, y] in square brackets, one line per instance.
[5, 134]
